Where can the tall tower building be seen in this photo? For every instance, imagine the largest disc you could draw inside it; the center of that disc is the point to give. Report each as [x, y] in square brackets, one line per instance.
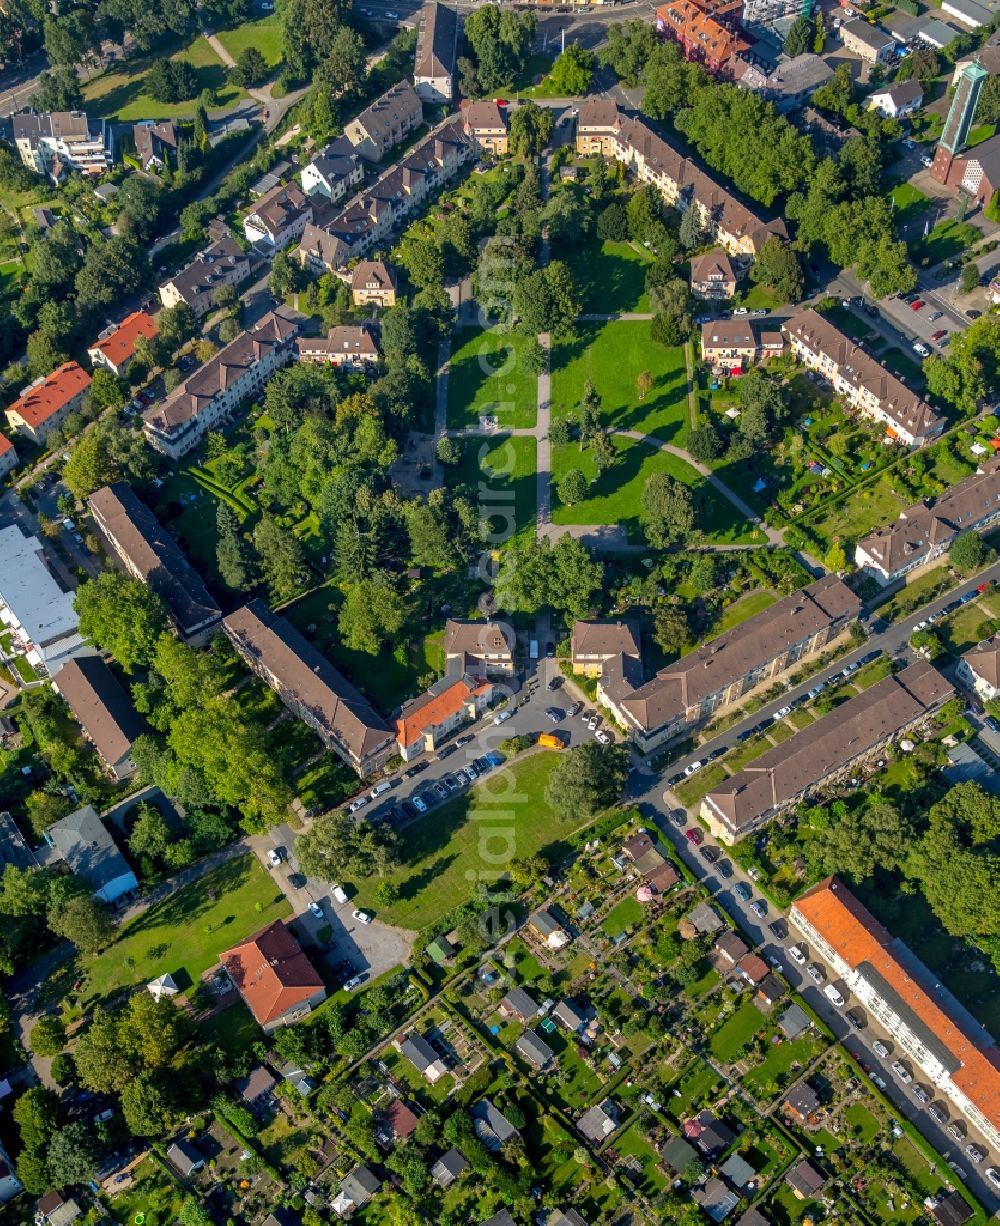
[961, 114]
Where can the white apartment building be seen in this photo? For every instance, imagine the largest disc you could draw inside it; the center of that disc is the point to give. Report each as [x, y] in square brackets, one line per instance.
[333, 171]
[207, 400]
[198, 283]
[278, 218]
[33, 606]
[53, 142]
[979, 669]
[953, 1053]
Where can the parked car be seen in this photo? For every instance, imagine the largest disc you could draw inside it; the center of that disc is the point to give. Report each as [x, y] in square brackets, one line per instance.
[464, 740]
[695, 836]
[495, 758]
[338, 894]
[856, 1018]
[556, 714]
[594, 720]
[274, 856]
[956, 1130]
[421, 766]
[357, 803]
[917, 304]
[902, 1072]
[934, 315]
[363, 917]
[939, 335]
[380, 789]
[354, 982]
[921, 1095]
[880, 1049]
[710, 853]
[693, 768]
[781, 713]
[447, 751]
[419, 804]
[960, 1171]
[673, 781]
[833, 995]
[501, 717]
[724, 869]
[575, 709]
[315, 910]
[440, 790]
[879, 1081]
[797, 953]
[602, 736]
[742, 890]
[816, 972]
[759, 908]
[993, 1175]
[975, 1153]
[936, 1114]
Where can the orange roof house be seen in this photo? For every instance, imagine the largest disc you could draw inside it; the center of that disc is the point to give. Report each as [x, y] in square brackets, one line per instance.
[276, 980]
[446, 705]
[703, 37]
[44, 405]
[117, 349]
[935, 1031]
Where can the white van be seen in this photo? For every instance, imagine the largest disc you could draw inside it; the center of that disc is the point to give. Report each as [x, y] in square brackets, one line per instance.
[337, 894]
[833, 995]
[380, 789]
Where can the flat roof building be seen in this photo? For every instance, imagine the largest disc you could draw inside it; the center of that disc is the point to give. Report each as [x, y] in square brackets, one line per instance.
[33, 606]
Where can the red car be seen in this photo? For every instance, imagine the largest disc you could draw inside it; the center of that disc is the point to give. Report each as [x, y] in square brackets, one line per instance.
[694, 836]
[916, 304]
[940, 334]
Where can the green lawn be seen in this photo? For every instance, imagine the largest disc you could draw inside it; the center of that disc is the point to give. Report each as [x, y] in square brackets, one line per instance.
[948, 238]
[981, 132]
[742, 610]
[234, 1030]
[506, 466]
[119, 94]
[612, 356]
[612, 276]
[697, 1086]
[734, 1033]
[154, 1194]
[264, 34]
[185, 933]
[627, 914]
[691, 792]
[488, 376]
[650, 1177]
[615, 496]
[907, 202]
[469, 839]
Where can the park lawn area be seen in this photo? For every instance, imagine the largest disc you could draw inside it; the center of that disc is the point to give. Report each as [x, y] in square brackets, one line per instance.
[119, 94]
[960, 631]
[611, 277]
[741, 610]
[154, 1194]
[764, 1079]
[185, 933]
[761, 298]
[907, 202]
[264, 34]
[646, 1169]
[691, 791]
[627, 914]
[612, 356]
[507, 466]
[442, 855]
[697, 1086]
[734, 1033]
[488, 376]
[948, 239]
[615, 496]
[863, 1124]
[856, 514]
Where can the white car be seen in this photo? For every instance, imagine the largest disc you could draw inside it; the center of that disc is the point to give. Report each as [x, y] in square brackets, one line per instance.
[781, 714]
[880, 1049]
[797, 954]
[337, 894]
[993, 1175]
[501, 717]
[316, 910]
[815, 973]
[379, 789]
[593, 722]
[351, 984]
[902, 1072]
[419, 804]
[273, 857]
[833, 995]
[601, 736]
[694, 767]
[358, 803]
[363, 917]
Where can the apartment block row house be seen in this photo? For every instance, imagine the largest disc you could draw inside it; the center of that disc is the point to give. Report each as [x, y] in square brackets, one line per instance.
[52, 143]
[89, 848]
[48, 401]
[838, 744]
[952, 1051]
[708, 31]
[485, 122]
[104, 712]
[732, 346]
[436, 54]
[275, 978]
[371, 216]
[713, 277]
[863, 383]
[979, 669]
[601, 128]
[149, 553]
[333, 172]
[386, 123]
[310, 686]
[8, 456]
[36, 611]
[347, 346]
[114, 349]
[690, 691]
[198, 283]
[278, 218]
[373, 283]
[208, 398]
[924, 531]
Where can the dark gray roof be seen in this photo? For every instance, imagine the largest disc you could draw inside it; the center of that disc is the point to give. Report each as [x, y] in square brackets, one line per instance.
[436, 42]
[600, 1121]
[518, 1001]
[13, 847]
[419, 1052]
[88, 847]
[448, 1167]
[491, 1125]
[677, 1154]
[360, 1184]
[545, 923]
[794, 1020]
[204, 271]
[805, 1178]
[101, 706]
[568, 1014]
[533, 1049]
[911, 1019]
[502, 1218]
[184, 1156]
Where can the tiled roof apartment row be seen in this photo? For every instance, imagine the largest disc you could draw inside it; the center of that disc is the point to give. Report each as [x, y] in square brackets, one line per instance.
[815, 755]
[103, 710]
[955, 1053]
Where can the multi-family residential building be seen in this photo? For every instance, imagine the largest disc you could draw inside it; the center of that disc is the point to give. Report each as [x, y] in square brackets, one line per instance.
[198, 284]
[8, 456]
[373, 283]
[104, 712]
[208, 399]
[451, 702]
[89, 848]
[898, 100]
[54, 142]
[436, 54]
[924, 532]
[979, 669]
[486, 122]
[334, 171]
[733, 345]
[601, 128]
[311, 687]
[690, 691]
[275, 978]
[385, 124]
[838, 744]
[712, 275]
[867, 41]
[348, 345]
[788, 86]
[952, 1051]
[861, 380]
[278, 218]
[33, 607]
[478, 649]
[149, 553]
[708, 30]
[592, 644]
[372, 216]
[46, 403]
[115, 347]
[155, 143]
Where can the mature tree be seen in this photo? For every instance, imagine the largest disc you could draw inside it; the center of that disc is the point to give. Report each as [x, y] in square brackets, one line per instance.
[121, 615]
[171, 81]
[250, 68]
[151, 836]
[969, 279]
[48, 1036]
[63, 1069]
[146, 1106]
[705, 444]
[835, 558]
[107, 452]
[667, 510]
[72, 1155]
[431, 538]
[777, 265]
[282, 561]
[691, 232]
[629, 45]
[671, 302]
[448, 451]
[231, 554]
[500, 40]
[44, 808]
[613, 223]
[644, 214]
[587, 779]
[535, 575]
[372, 612]
[530, 130]
[968, 552]
[284, 276]
[84, 920]
[111, 271]
[971, 367]
[670, 629]
[572, 487]
[799, 37]
[859, 842]
[58, 90]
[175, 326]
[423, 259]
[336, 844]
[571, 73]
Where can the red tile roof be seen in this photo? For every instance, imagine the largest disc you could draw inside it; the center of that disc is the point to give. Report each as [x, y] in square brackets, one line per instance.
[434, 709]
[753, 966]
[38, 403]
[5, 444]
[858, 937]
[120, 345]
[271, 972]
